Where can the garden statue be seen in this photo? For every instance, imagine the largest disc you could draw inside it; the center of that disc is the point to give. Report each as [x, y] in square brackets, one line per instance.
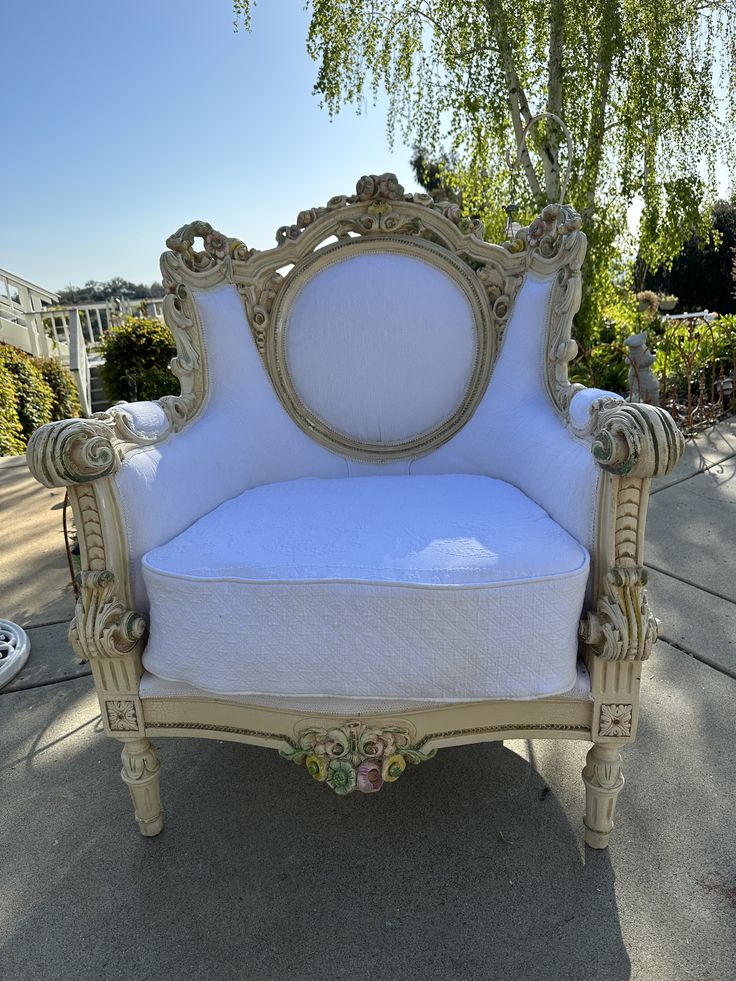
[643, 383]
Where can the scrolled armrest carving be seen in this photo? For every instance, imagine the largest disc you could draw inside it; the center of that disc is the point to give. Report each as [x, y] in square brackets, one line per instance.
[77, 451]
[636, 440]
[73, 451]
[102, 626]
[623, 627]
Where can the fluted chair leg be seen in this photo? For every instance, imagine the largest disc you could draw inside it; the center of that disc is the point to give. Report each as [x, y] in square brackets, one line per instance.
[141, 773]
[603, 778]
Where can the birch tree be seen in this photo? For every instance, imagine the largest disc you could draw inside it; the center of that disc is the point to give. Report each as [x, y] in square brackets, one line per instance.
[646, 87]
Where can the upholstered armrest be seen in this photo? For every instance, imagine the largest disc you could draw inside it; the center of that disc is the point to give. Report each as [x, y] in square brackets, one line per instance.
[77, 451]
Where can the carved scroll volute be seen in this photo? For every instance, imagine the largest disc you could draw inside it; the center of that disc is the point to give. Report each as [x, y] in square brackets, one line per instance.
[72, 451]
[636, 440]
[103, 627]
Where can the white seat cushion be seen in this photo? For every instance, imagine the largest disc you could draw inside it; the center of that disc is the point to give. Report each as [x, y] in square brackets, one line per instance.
[153, 687]
[438, 588]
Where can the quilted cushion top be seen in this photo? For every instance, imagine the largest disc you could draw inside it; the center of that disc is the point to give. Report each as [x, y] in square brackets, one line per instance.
[446, 529]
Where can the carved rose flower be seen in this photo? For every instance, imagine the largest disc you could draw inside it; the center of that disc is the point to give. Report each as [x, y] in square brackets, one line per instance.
[341, 777]
[393, 767]
[216, 245]
[369, 778]
[375, 186]
[537, 230]
[121, 716]
[324, 748]
[615, 720]
[389, 187]
[365, 189]
[316, 767]
[305, 218]
[373, 745]
[338, 201]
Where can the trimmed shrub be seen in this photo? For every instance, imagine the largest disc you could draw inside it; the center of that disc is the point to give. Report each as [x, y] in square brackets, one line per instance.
[60, 381]
[11, 431]
[34, 398]
[137, 355]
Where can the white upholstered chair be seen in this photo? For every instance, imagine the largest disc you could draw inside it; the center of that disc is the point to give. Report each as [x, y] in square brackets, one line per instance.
[378, 520]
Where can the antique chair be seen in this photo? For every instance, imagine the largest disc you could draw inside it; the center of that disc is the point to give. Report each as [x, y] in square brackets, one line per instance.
[378, 520]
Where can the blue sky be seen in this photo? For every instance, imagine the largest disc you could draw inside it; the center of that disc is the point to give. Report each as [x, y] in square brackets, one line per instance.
[124, 119]
[130, 118]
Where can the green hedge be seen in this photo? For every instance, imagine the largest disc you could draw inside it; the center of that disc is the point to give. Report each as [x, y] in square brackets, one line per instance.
[66, 398]
[33, 391]
[11, 431]
[137, 356]
[34, 398]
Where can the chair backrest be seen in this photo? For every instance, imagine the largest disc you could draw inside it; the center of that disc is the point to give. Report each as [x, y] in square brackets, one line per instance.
[378, 317]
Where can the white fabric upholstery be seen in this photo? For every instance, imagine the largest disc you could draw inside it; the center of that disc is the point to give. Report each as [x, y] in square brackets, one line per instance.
[245, 438]
[381, 347]
[581, 404]
[443, 588]
[147, 418]
[153, 687]
[516, 434]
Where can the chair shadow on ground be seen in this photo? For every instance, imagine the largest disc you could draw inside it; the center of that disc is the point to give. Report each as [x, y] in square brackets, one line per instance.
[466, 868]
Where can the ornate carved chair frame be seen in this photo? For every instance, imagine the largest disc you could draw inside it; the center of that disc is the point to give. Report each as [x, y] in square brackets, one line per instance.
[630, 442]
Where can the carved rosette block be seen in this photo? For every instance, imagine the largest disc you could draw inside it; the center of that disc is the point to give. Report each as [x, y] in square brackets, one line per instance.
[603, 778]
[141, 773]
[355, 756]
[122, 715]
[615, 720]
[102, 626]
[623, 627]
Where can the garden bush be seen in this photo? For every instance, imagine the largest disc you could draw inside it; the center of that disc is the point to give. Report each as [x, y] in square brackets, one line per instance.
[33, 391]
[34, 398]
[11, 431]
[60, 381]
[137, 355]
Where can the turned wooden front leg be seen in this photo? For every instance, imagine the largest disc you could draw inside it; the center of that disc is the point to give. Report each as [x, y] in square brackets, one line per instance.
[141, 773]
[603, 778]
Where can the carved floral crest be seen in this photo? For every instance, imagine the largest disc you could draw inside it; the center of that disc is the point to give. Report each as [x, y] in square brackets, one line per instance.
[354, 756]
[546, 233]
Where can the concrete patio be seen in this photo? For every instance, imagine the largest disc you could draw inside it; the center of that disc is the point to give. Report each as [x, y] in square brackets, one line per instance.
[472, 869]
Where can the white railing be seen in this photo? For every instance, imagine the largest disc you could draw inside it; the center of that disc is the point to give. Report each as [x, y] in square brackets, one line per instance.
[19, 302]
[79, 362]
[32, 319]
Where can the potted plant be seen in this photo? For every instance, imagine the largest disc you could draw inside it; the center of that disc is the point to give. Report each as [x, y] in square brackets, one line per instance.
[667, 302]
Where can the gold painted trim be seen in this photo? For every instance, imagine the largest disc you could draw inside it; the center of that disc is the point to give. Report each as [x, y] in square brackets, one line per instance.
[154, 727]
[509, 727]
[214, 727]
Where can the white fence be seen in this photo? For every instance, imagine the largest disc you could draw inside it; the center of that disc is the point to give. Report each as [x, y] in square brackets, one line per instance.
[32, 319]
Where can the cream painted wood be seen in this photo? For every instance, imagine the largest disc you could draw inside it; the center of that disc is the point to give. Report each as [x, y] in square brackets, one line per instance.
[631, 443]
